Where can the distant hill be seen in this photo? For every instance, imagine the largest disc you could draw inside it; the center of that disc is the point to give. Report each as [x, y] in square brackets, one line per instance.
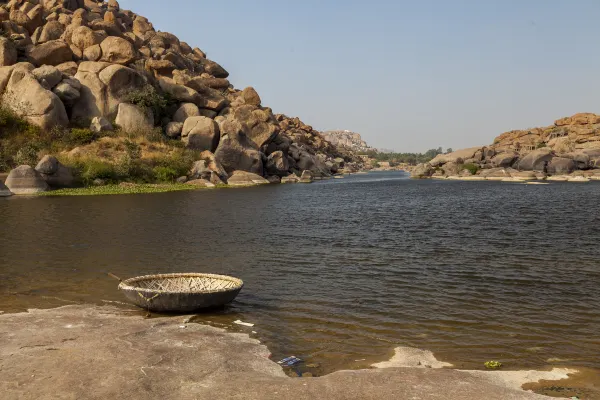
[347, 139]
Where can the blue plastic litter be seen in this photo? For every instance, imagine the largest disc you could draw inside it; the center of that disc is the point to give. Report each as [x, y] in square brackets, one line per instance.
[290, 361]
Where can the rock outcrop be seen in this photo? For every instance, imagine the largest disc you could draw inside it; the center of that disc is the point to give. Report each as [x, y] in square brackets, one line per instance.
[64, 62]
[243, 178]
[570, 146]
[54, 173]
[25, 180]
[347, 139]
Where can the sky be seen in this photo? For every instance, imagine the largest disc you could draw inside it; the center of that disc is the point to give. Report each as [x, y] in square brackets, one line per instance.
[407, 75]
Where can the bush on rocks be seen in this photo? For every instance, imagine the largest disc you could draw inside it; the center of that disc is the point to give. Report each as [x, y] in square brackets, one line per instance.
[161, 104]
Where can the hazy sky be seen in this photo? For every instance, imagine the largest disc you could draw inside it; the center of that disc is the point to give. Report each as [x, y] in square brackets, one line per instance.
[407, 75]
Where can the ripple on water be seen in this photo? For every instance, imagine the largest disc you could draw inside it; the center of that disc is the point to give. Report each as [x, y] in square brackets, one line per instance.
[342, 270]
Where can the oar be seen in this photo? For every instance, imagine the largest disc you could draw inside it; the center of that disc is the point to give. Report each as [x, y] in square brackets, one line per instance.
[115, 277]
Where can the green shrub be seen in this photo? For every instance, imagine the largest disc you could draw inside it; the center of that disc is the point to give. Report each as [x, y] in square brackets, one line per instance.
[81, 136]
[134, 170]
[157, 135]
[179, 160]
[27, 155]
[165, 174]
[148, 97]
[134, 151]
[92, 169]
[472, 168]
[10, 122]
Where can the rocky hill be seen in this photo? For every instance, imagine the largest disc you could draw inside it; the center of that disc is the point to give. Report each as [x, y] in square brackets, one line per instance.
[92, 66]
[571, 146]
[348, 140]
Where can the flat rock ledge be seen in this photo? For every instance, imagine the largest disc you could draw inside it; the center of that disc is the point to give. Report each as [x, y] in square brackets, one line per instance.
[90, 352]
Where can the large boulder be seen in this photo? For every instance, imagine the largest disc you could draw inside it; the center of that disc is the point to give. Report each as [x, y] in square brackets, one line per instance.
[278, 164]
[141, 26]
[236, 151]
[25, 180]
[422, 171]
[25, 96]
[54, 52]
[53, 30]
[451, 169]
[103, 87]
[259, 125]
[48, 165]
[185, 111]
[68, 90]
[207, 167]
[500, 173]
[560, 166]
[457, 157]
[504, 160]
[134, 119]
[306, 161]
[201, 96]
[119, 81]
[200, 133]
[208, 98]
[251, 97]
[581, 159]
[8, 52]
[537, 160]
[54, 173]
[48, 76]
[594, 157]
[84, 37]
[244, 178]
[117, 50]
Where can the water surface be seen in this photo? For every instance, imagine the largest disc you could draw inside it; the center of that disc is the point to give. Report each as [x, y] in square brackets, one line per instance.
[341, 270]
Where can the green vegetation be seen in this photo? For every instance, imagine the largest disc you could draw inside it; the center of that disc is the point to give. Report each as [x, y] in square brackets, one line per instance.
[472, 168]
[406, 158]
[148, 97]
[120, 189]
[131, 167]
[142, 157]
[492, 364]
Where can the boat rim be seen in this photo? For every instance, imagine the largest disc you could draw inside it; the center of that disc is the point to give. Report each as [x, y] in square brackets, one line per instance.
[127, 283]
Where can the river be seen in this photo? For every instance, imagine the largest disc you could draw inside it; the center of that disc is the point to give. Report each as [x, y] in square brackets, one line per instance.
[340, 272]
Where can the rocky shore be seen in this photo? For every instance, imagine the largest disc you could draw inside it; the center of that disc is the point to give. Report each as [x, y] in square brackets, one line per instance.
[124, 101]
[90, 352]
[569, 150]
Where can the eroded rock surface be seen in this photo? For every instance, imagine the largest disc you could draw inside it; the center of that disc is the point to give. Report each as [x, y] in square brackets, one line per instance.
[101, 353]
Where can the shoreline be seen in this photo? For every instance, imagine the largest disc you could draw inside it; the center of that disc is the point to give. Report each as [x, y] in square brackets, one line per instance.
[125, 188]
[116, 353]
[555, 178]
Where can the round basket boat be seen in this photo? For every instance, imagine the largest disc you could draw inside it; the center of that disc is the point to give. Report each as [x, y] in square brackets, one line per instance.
[181, 293]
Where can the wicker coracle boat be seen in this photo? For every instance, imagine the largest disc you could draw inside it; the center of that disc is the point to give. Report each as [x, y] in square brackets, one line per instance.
[181, 293]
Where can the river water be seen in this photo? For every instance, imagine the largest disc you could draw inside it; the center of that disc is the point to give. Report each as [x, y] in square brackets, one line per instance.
[341, 272]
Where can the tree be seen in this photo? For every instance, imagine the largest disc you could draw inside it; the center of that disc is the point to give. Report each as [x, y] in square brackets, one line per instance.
[449, 150]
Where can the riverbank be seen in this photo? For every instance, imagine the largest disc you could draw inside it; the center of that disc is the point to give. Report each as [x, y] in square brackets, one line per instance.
[90, 352]
[120, 189]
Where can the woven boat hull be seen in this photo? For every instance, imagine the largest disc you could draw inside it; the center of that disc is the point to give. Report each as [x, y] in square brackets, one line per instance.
[181, 293]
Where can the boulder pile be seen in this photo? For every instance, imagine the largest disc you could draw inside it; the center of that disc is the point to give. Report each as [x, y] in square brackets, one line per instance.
[569, 149]
[63, 61]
